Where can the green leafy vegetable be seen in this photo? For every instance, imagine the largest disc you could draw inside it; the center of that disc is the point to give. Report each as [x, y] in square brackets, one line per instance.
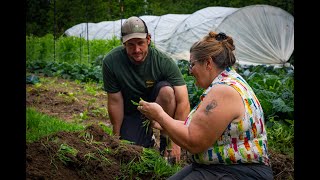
[135, 103]
[146, 123]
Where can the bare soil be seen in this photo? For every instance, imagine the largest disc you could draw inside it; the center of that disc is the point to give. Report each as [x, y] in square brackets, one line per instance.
[77, 102]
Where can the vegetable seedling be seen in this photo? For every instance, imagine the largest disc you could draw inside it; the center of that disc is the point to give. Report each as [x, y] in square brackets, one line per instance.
[146, 122]
[135, 103]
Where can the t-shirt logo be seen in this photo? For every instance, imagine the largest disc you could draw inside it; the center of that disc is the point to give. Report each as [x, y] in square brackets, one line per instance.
[149, 83]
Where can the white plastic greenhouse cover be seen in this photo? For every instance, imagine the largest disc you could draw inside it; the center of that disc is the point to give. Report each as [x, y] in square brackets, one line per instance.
[262, 34]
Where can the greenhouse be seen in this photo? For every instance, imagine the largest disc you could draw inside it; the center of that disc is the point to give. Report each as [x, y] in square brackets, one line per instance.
[263, 34]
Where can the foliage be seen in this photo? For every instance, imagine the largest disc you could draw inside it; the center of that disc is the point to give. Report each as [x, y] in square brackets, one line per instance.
[64, 151]
[75, 71]
[56, 16]
[281, 135]
[39, 48]
[107, 129]
[274, 87]
[68, 49]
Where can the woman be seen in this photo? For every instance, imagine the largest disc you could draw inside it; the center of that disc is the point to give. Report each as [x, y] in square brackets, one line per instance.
[225, 133]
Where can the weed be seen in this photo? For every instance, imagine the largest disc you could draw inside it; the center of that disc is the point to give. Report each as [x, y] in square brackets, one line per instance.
[90, 89]
[88, 138]
[89, 156]
[64, 151]
[84, 115]
[106, 128]
[68, 97]
[102, 154]
[101, 111]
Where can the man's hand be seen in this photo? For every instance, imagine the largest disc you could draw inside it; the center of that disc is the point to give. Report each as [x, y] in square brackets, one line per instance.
[115, 131]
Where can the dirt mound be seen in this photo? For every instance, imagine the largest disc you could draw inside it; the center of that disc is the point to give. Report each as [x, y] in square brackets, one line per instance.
[282, 166]
[93, 154]
[89, 154]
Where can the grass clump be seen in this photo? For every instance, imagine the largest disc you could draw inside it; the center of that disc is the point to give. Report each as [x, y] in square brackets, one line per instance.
[151, 162]
[39, 125]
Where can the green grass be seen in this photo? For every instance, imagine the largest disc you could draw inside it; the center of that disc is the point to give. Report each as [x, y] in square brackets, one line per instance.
[39, 125]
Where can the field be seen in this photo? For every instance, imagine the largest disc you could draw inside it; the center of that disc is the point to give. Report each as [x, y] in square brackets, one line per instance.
[78, 155]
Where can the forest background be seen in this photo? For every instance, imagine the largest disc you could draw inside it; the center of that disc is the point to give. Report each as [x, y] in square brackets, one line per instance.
[56, 16]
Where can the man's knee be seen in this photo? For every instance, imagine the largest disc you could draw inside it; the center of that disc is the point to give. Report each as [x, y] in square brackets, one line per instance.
[166, 96]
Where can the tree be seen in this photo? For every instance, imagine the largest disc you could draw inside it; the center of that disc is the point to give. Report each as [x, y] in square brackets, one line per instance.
[43, 17]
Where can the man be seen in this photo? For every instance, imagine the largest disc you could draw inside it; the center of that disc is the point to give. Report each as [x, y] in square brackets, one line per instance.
[138, 70]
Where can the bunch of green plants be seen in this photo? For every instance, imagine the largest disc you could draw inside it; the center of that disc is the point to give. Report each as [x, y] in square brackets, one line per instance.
[70, 49]
[150, 162]
[64, 153]
[281, 136]
[274, 87]
[73, 71]
[39, 48]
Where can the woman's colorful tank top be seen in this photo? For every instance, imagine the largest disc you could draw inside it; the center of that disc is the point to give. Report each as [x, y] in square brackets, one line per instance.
[244, 141]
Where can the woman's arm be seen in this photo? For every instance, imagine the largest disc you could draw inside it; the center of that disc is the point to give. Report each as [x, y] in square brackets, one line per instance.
[222, 105]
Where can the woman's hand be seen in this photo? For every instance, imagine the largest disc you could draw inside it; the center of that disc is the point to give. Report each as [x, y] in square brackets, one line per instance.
[152, 111]
[156, 125]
